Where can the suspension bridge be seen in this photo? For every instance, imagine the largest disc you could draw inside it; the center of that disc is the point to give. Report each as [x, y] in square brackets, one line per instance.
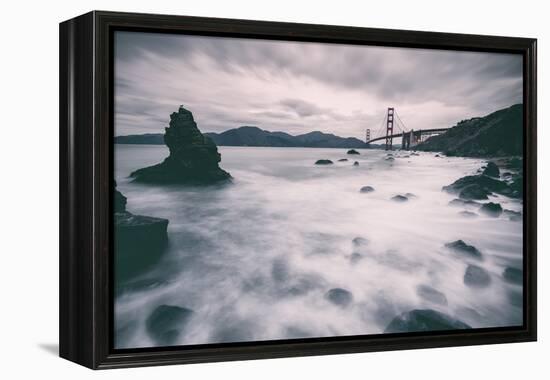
[393, 127]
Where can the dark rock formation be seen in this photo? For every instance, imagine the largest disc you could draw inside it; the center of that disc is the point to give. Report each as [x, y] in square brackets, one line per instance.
[193, 157]
[491, 170]
[399, 198]
[340, 297]
[390, 158]
[476, 277]
[119, 201]
[356, 163]
[139, 243]
[367, 189]
[463, 202]
[513, 275]
[166, 322]
[477, 187]
[424, 320]
[342, 160]
[430, 294]
[353, 151]
[323, 162]
[491, 209]
[139, 240]
[460, 247]
[360, 242]
[355, 257]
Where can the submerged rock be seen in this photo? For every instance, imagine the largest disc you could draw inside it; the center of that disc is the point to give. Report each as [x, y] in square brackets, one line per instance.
[476, 277]
[491, 170]
[340, 297]
[424, 320]
[474, 191]
[342, 160]
[353, 151]
[430, 294]
[360, 241]
[390, 158]
[514, 216]
[356, 163]
[355, 257]
[323, 162]
[513, 275]
[478, 184]
[399, 198]
[468, 214]
[463, 202]
[166, 322]
[367, 189]
[193, 157]
[461, 247]
[491, 209]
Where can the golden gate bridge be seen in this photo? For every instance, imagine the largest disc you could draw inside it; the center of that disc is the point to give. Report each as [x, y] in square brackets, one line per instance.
[393, 127]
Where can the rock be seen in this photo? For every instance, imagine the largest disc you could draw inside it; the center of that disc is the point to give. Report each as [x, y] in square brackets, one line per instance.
[166, 322]
[389, 158]
[430, 294]
[437, 155]
[323, 162]
[119, 201]
[468, 214]
[367, 189]
[474, 191]
[516, 187]
[424, 320]
[340, 297]
[139, 243]
[399, 198]
[513, 275]
[342, 160]
[355, 257]
[481, 181]
[514, 216]
[360, 242]
[193, 157]
[353, 151]
[491, 170]
[460, 247]
[515, 298]
[476, 277]
[463, 202]
[356, 163]
[507, 175]
[491, 209]
[410, 195]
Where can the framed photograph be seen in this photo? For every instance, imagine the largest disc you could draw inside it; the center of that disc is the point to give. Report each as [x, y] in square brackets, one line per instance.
[235, 189]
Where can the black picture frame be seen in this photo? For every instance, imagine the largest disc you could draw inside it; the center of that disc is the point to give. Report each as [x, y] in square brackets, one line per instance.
[86, 167]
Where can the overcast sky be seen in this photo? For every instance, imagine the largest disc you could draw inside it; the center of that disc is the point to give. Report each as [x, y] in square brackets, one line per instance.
[299, 87]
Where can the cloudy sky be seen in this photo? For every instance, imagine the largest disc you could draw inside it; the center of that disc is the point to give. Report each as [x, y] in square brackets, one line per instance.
[299, 87]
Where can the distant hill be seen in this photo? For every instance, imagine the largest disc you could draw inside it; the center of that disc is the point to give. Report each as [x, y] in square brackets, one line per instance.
[497, 134]
[254, 136]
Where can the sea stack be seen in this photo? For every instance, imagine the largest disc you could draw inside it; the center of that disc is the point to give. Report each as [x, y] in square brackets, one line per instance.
[193, 157]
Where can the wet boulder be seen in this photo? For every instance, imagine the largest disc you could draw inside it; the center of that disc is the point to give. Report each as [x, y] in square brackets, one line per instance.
[119, 202]
[463, 202]
[353, 151]
[430, 294]
[476, 277]
[367, 189]
[323, 162]
[514, 216]
[399, 198]
[342, 160]
[468, 214]
[491, 170]
[513, 275]
[459, 246]
[390, 158]
[339, 297]
[360, 242]
[480, 181]
[491, 209]
[165, 324]
[474, 191]
[355, 257]
[356, 163]
[193, 158]
[424, 320]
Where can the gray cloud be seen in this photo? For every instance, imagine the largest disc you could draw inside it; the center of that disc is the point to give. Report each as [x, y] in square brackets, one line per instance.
[298, 87]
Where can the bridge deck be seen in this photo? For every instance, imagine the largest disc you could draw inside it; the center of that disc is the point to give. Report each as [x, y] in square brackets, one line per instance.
[422, 131]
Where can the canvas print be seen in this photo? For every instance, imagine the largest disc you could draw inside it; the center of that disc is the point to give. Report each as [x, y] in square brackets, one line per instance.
[275, 190]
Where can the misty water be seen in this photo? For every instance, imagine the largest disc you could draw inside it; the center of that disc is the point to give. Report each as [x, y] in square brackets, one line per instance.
[254, 260]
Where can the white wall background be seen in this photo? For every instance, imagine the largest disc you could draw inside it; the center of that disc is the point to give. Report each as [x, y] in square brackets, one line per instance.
[29, 188]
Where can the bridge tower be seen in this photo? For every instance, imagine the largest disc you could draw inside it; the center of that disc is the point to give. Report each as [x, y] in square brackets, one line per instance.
[389, 129]
[367, 139]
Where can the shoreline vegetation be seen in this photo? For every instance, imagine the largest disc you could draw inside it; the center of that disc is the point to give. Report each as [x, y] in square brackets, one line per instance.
[194, 160]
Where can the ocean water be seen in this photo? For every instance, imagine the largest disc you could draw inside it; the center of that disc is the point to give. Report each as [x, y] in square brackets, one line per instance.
[254, 260]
